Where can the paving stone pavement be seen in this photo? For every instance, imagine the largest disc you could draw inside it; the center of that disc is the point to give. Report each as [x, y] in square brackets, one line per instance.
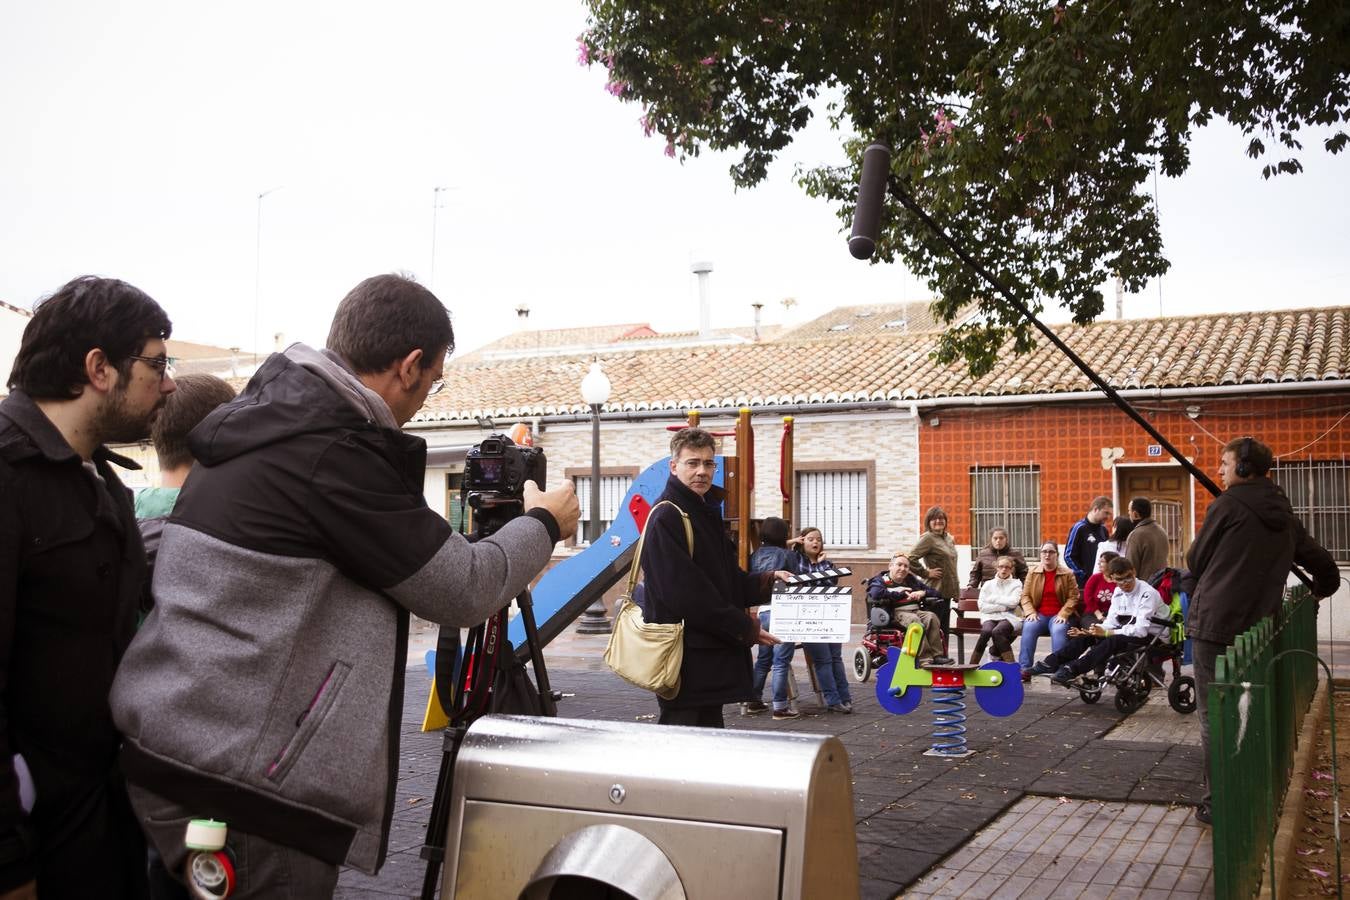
[1052, 748]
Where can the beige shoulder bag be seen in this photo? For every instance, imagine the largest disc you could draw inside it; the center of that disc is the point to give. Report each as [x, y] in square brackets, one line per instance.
[643, 653]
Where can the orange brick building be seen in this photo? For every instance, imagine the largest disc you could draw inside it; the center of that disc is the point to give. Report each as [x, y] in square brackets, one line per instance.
[1066, 443]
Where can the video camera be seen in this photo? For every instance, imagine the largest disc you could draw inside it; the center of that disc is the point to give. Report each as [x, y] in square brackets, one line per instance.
[495, 473]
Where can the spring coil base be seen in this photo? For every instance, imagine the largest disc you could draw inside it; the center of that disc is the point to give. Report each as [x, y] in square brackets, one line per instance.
[949, 722]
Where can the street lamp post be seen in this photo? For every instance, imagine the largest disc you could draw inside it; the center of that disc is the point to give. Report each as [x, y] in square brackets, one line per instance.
[257, 271]
[595, 391]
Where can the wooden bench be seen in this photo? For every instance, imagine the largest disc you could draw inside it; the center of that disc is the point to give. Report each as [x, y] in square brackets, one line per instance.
[968, 622]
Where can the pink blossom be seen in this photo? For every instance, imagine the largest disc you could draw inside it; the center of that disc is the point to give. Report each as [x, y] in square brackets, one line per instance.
[583, 51]
[1020, 137]
[708, 60]
[670, 147]
[617, 88]
[1048, 122]
[647, 127]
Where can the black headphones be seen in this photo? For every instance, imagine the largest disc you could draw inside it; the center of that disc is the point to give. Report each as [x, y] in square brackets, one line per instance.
[1243, 469]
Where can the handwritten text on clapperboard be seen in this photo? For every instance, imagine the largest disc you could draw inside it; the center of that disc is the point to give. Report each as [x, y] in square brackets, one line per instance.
[812, 615]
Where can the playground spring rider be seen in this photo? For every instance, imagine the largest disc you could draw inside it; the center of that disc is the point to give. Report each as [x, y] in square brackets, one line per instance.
[998, 690]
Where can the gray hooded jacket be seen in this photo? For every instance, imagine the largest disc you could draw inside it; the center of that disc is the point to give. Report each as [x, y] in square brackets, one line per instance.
[266, 687]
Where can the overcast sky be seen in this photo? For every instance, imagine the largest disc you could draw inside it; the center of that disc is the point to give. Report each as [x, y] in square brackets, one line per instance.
[138, 136]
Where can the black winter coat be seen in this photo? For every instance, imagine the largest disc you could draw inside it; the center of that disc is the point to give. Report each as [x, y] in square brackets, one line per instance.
[72, 572]
[1241, 560]
[709, 593]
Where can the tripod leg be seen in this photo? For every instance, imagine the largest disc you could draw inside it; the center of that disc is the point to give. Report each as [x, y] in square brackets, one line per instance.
[433, 851]
[546, 702]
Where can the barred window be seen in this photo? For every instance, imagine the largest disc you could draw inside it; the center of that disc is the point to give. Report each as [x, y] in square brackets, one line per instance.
[1007, 497]
[1319, 491]
[838, 502]
[613, 488]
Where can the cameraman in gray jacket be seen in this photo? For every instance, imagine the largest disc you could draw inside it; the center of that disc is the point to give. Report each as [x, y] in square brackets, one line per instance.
[266, 688]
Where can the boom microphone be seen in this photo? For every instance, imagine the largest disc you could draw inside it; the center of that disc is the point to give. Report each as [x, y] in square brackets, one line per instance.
[862, 243]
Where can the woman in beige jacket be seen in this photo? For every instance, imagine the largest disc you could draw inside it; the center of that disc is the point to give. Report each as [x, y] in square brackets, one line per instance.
[934, 560]
[1049, 603]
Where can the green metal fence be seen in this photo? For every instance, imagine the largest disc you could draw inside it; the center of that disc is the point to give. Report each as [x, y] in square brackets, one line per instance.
[1253, 731]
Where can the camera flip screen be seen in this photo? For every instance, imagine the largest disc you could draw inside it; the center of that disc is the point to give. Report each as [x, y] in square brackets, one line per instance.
[489, 470]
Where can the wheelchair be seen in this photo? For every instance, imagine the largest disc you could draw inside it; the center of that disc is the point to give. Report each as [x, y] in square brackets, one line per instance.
[1135, 672]
[881, 633]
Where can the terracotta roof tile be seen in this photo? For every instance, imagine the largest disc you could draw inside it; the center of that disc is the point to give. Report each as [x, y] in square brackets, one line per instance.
[1226, 349]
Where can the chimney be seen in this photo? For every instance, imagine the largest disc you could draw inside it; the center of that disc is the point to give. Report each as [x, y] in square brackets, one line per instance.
[702, 269]
[757, 307]
[1120, 298]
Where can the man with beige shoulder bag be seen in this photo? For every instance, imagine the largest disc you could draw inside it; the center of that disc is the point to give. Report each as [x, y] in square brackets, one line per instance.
[692, 578]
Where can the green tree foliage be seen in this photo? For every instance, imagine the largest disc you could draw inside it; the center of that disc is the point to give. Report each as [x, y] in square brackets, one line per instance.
[1028, 130]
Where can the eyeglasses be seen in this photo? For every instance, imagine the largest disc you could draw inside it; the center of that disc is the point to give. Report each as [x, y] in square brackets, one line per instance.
[164, 365]
[1049, 553]
[436, 386]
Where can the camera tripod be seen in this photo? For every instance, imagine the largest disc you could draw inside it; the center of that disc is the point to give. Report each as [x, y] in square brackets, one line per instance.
[482, 683]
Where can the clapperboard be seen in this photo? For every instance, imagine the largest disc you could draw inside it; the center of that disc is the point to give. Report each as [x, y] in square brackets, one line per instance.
[806, 611]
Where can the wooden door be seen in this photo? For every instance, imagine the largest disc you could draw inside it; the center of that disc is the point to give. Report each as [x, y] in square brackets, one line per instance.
[1169, 489]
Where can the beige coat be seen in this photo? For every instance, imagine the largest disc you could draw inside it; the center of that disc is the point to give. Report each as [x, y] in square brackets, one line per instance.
[1066, 588]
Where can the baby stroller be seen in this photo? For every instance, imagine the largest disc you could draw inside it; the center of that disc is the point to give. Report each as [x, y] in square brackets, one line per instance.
[1135, 672]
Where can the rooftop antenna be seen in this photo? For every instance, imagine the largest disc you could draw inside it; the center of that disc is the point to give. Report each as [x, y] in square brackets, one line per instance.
[703, 268]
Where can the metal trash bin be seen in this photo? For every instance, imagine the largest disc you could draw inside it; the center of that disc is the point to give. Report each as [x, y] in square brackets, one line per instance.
[658, 812]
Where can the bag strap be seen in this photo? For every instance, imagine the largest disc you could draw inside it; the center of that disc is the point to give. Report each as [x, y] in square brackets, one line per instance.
[637, 553]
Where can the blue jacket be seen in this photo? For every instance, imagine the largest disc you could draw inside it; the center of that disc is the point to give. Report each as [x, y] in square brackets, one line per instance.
[771, 559]
[1080, 550]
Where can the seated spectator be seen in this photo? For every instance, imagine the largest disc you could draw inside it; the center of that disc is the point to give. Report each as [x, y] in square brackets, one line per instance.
[1000, 597]
[986, 561]
[1137, 615]
[1097, 592]
[901, 595]
[1120, 533]
[1049, 603]
[772, 556]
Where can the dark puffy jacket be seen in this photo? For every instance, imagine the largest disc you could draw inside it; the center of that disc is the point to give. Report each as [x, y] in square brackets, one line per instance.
[1241, 559]
[984, 569]
[709, 593]
[881, 591]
